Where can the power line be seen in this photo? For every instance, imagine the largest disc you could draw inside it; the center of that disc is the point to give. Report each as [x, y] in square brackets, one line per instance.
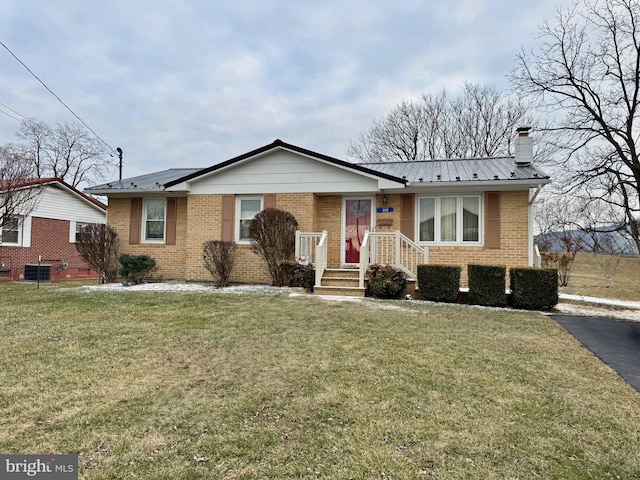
[10, 116]
[9, 108]
[57, 97]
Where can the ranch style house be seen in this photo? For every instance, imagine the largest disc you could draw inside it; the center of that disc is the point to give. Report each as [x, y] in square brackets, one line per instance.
[450, 211]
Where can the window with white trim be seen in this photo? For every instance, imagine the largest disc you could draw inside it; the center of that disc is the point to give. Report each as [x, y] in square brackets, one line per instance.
[154, 220]
[247, 208]
[10, 231]
[450, 219]
[77, 229]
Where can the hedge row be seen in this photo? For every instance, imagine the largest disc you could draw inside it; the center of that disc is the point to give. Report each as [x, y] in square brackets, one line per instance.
[532, 288]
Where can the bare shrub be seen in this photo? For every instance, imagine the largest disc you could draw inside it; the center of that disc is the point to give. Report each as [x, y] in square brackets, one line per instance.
[97, 244]
[273, 234]
[563, 260]
[219, 257]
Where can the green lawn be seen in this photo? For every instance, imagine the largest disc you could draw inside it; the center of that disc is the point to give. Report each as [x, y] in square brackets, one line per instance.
[166, 385]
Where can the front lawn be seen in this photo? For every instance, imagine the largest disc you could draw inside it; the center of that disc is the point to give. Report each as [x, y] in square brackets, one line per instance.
[208, 385]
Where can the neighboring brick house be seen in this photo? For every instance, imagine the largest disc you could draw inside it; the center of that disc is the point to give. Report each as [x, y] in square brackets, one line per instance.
[46, 235]
[464, 211]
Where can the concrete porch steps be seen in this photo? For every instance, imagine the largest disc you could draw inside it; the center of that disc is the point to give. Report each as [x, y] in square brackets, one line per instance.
[340, 281]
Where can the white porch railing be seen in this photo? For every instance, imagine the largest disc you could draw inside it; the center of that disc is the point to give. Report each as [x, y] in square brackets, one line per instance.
[391, 248]
[306, 243]
[321, 258]
[537, 258]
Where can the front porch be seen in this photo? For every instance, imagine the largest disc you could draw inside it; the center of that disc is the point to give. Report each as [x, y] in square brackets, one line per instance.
[385, 248]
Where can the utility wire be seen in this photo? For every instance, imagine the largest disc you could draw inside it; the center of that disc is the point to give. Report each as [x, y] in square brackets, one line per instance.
[9, 108]
[10, 116]
[57, 97]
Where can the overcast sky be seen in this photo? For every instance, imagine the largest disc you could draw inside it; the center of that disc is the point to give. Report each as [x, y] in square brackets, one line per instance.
[191, 83]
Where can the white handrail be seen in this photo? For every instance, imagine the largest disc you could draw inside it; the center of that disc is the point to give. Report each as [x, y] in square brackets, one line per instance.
[305, 245]
[364, 258]
[321, 258]
[537, 258]
[395, 248]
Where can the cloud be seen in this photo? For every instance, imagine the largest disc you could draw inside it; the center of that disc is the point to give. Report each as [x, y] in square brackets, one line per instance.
[193, 83]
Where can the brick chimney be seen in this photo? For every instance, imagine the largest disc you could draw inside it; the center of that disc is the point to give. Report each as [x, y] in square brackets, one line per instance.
[524, 147]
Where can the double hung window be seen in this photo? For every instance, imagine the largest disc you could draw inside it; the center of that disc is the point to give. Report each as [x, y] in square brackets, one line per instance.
[154, 219]
[10, 231]
[247, 207]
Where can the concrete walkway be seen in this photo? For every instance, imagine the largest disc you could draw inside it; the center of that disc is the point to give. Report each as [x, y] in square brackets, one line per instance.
[599, 302]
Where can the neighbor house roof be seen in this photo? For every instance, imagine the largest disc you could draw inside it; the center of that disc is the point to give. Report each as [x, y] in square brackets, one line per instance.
[499, 169]
[33, 182]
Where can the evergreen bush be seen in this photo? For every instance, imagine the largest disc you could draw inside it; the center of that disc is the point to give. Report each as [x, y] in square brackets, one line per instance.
[534, 288]
[386, 281]
[297, 275]
[487, 285]
[439, 283]
[136, 269]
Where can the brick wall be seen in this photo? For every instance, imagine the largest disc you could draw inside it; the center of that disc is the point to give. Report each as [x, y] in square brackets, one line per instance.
[328, 212]
[169, 258]
[514, 240]
[199, 220]
[204, 223]
[49, 240]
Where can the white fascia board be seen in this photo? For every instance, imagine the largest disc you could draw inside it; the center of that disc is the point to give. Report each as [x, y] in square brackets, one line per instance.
[385, 184]
[184, 187]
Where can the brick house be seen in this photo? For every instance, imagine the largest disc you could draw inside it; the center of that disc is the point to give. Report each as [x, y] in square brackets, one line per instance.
[47, 233]
[445, 211]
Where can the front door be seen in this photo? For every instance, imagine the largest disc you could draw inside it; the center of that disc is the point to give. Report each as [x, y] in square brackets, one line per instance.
[357, 218]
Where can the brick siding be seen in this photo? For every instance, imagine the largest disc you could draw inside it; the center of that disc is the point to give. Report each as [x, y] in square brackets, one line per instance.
[50, 241]
[199, 220]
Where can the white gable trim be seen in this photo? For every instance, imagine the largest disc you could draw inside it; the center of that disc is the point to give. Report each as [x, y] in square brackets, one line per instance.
[281, 170]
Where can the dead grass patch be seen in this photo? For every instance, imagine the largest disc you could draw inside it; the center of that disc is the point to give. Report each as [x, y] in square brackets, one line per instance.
[589, 277]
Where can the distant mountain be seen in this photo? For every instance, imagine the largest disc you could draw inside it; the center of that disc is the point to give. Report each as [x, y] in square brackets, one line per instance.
[609, 240]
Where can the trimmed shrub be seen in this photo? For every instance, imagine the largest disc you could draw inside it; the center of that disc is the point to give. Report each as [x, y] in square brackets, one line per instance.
[273, 237]
[219, 257]
[487, 285]
[297, 275]
[97, 244]
[439, 283]
[534, 288]
[385, 281]
[136, 269]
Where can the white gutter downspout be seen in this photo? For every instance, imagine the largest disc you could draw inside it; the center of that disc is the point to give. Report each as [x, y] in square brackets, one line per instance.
[533, 194]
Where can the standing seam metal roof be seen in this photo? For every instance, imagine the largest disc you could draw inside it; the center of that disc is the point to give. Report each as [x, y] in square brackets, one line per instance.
[459, 170]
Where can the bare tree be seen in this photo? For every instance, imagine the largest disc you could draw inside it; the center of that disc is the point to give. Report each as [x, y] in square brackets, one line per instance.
[585, 75]
[68, 151]
[555, 220]
[480, 122]
[97, 244]
[18, 193]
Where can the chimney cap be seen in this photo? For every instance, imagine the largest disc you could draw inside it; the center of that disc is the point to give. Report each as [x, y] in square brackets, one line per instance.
[523, 131]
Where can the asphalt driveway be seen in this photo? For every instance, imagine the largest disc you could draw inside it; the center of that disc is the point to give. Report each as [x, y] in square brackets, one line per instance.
[615, 342]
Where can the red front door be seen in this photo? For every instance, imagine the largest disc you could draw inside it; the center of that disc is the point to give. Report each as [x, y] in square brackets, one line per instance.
[357, 220]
